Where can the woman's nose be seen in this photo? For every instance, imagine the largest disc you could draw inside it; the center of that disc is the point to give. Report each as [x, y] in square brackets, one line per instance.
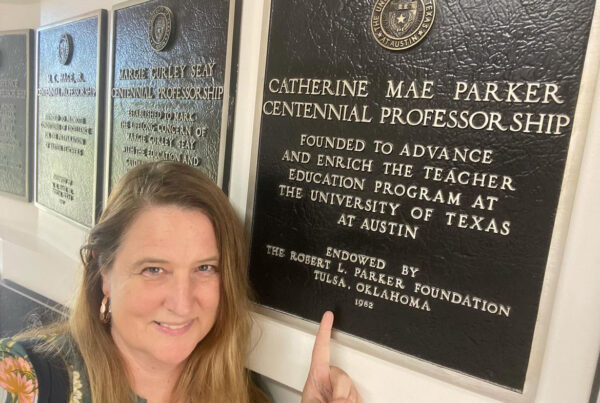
[180, 298]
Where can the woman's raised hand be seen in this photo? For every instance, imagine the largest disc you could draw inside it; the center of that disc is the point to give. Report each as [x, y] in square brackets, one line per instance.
[325, 383]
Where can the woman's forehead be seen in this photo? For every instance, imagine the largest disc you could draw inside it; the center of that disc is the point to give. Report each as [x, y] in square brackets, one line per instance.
[169, 230]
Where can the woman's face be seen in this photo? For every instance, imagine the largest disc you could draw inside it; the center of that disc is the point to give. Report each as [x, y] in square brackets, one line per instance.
[163, 286]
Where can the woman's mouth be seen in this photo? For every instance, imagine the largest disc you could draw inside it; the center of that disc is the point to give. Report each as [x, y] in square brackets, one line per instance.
[174, 328]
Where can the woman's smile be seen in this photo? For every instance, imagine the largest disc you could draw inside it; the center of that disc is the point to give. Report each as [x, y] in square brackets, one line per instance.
[174, 329]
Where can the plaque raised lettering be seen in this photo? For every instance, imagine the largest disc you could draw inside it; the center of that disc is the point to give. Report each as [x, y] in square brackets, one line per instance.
[16, 106]
[170, 85]
[70, 117]
[410, 161]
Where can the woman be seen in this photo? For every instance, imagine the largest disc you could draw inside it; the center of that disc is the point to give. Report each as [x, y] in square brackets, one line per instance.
[163, 311]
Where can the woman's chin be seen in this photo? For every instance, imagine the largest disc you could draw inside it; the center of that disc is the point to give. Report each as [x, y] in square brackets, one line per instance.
[174, 358]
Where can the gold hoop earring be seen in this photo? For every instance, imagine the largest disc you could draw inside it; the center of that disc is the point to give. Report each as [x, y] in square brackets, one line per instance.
[105, 310]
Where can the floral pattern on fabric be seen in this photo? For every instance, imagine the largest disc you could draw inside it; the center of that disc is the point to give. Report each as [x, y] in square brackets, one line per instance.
[76, 394]
[17, 378]
[24, 387]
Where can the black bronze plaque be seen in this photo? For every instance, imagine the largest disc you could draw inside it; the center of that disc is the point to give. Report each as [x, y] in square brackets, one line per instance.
[16, 112]
[171, 69]
[70, 117]
[410, 162]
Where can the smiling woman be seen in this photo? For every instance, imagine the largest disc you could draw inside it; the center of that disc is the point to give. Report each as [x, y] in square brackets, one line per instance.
[163, 310]
[166, 264]
[168, 256]
[164, 290]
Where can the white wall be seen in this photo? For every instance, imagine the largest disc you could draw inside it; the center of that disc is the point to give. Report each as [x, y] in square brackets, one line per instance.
[39, 251]
[56, 10]
[19, 14]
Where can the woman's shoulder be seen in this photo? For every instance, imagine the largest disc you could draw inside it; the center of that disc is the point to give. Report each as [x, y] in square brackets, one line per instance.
[18, 380]
[47, 367]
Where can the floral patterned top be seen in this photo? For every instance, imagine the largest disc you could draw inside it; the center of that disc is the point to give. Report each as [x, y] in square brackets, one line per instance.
[18, 381]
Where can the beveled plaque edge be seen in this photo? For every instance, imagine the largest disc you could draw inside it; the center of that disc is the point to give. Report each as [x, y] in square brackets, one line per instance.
[579, 133]
[101, 15]
[76, 18]
[109, 84]
[226, 111]
[29, 121]
[253, 172]
[580, 130]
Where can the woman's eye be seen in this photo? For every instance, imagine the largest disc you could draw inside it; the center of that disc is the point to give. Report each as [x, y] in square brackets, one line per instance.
[207, 268]
[152, 271]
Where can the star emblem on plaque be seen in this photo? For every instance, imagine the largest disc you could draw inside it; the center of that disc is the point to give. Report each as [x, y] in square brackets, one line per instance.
[65, 49]
[160, 27]
[401, 24]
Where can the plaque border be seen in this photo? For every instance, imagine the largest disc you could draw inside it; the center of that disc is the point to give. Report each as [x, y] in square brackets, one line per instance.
[99, 158]
[29, 121]
[579, 132]
[229, 84]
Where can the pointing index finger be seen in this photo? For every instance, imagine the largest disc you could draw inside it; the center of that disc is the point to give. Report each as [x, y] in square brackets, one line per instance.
[320, 355]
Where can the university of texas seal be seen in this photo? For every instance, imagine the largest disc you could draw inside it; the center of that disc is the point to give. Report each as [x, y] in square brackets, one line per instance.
[65, 49]
[159, 27]
[401, 24]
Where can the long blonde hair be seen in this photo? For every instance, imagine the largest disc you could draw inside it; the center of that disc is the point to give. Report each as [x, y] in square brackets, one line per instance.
[214, 371]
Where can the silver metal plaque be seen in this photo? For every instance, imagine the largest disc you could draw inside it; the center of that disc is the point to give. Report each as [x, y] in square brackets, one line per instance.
[170, 85]
[70, 111]
[16, 104]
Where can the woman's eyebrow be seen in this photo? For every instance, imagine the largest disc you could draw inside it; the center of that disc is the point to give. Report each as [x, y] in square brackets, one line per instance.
[147, 260]
[210, 259]
[154, 260]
